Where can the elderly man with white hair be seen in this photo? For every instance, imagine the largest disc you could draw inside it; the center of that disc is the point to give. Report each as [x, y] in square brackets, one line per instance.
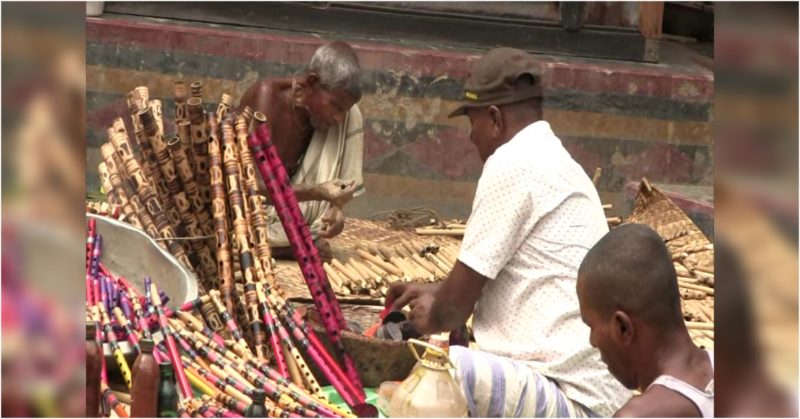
[318, 131]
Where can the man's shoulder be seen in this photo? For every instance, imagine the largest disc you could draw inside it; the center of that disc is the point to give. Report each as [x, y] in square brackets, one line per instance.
[658, 401]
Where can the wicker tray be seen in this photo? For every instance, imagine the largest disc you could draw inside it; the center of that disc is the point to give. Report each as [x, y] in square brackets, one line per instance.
[376, 360]
[357, 231]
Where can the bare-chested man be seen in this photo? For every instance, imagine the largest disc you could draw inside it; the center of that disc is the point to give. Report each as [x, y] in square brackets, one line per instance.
[318, 131]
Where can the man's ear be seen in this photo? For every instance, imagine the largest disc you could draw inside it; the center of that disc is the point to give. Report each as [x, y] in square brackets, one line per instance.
[623, 328]
[496, 118]
[311, 80]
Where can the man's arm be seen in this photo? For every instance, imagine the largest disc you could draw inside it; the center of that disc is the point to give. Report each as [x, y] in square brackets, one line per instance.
[337, 192]
[440, 307]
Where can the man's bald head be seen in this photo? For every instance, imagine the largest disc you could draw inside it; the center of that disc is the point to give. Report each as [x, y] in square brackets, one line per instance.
[630, 269]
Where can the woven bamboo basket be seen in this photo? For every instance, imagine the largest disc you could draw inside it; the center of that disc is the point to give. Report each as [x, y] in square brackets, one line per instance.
[692, 252]
[377, 360]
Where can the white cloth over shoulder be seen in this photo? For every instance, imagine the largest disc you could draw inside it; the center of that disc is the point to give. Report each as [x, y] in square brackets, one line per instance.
[535, 216]
[336, 153]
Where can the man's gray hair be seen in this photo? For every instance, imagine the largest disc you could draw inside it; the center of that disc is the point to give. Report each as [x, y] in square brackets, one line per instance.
[337, 66]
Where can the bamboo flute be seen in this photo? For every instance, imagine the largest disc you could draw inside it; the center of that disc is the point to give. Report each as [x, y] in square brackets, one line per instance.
[188, 349]
[123, 321]
[296, 366]
[199, 326]
[112, 400]
[219, 212]
[247, 114]
[224, 106]
[315, 349]
[240, 225]
[258, 120]
[280, 391]
[197, 90]
[148, 196]
[218, 386]
[198, 220]
[111, 338]
[225, 383]
[152, 123]
[113, 166]
[138, 101]
[181, 94]
[117, 197]
[277, 182]
[183, 383]
[284, 400]
[201, 147]
[272, 331]
[186, 221]
[257, 212]
[241, 346]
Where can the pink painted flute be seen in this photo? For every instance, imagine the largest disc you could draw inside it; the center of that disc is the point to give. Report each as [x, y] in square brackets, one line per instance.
[277, 182]
[180, 375]
[90, 242]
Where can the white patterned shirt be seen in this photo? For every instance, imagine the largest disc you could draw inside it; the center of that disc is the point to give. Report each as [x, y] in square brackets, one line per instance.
[536, 213]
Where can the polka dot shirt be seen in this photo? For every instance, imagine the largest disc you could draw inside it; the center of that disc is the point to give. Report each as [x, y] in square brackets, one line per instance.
[536, 213]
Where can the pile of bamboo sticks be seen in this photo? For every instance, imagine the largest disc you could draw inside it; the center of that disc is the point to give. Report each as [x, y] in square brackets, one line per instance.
[376, 267]
[692, 255]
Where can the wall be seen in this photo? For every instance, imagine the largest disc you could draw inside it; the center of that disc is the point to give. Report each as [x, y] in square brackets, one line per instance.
[631, 119]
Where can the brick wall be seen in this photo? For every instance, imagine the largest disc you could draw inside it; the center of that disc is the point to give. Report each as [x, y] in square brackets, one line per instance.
[631, 119]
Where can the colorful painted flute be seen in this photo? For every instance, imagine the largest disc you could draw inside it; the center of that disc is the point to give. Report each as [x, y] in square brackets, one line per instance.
[277, 182]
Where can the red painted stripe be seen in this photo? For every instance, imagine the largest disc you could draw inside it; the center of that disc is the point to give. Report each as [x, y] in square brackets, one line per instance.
[557, 73]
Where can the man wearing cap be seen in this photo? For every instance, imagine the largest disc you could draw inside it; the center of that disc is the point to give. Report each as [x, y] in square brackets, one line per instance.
[535, 215]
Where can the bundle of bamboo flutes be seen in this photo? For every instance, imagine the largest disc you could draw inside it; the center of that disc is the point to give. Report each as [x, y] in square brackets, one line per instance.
[201, 186]
[376, 267]
[224, 371]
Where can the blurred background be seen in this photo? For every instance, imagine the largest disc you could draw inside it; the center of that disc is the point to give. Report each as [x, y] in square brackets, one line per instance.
[43, 205]
[723, 138]
[756, 201]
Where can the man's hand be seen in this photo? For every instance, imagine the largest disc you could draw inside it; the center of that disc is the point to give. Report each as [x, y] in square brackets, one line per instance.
[419, 297]
[337, 192]
[442, 306]
[332, 223]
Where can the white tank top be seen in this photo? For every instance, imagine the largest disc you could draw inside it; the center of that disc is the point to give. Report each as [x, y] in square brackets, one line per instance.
[704, 400]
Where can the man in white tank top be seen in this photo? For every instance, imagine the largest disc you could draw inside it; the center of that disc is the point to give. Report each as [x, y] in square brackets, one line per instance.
[628, 295]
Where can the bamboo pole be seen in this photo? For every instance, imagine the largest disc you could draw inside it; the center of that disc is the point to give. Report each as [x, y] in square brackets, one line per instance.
[707, 290]
[380, 263]
[440, 232]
